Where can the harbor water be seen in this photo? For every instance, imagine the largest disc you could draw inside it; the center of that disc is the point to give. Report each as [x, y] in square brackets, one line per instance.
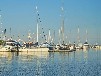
[76, 63]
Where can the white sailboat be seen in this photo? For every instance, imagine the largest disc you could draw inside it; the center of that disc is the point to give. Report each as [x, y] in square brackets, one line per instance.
[37, 48]
[86, 45]
[79, 44]
[63, 46]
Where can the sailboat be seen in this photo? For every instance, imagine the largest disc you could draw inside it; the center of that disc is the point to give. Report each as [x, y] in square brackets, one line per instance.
[36, 48]
[79, 44]
[86, 45]
[63, 46]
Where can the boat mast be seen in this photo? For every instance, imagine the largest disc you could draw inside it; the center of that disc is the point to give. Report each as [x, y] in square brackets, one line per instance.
[49, 36]
[78, 35]
[37, 24]
[54, 37]
[0, 26]
[29, 35]
[10, 33]
[37, 32]
[86, 35]
[2, 32]
[59, 36]
[62, 16]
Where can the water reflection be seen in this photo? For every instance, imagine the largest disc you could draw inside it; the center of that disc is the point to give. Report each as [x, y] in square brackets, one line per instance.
[78, 63]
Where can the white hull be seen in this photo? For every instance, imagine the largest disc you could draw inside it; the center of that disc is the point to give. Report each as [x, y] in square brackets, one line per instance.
[77, 47]
[7, 48]
[34, 49]
[98, 47]
[85, 47]
[4, 50]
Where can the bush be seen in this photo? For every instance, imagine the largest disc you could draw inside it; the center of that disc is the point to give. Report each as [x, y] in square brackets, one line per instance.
[2, 42]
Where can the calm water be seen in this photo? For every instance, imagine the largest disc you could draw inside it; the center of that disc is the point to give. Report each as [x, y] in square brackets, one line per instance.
[78, 63]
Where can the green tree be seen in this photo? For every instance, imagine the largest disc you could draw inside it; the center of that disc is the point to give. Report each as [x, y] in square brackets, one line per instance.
[2, 42]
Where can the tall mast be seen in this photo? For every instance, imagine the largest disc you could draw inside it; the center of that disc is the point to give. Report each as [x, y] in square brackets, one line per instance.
[0, 26]
[37, 23]
[59, 36]
[1, 32]
[49, 36]
[29, 35]
[86, 35]
[62, 16]
[37, 32]
[10, 33]
[78, 35]
[54, 37]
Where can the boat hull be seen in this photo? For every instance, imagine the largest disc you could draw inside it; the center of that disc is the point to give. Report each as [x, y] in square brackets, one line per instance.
[7, 50]
[34, 49]
[4, 50]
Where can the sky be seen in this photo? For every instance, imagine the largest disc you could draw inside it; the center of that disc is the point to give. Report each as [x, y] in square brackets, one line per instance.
[20, 16]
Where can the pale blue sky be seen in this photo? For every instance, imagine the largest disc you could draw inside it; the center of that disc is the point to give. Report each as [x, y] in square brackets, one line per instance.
[20, 16]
